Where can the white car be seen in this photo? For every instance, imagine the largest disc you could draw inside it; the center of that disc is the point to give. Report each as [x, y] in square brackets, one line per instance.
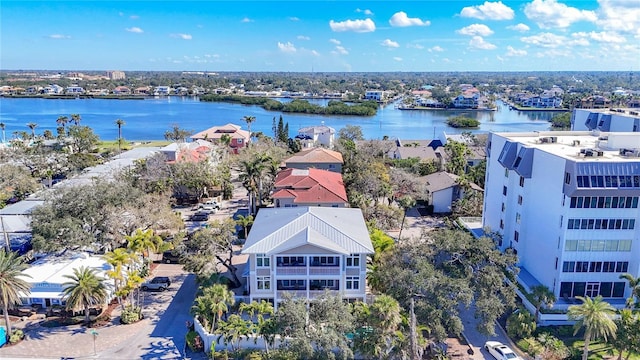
[209, 206]
[500, 351]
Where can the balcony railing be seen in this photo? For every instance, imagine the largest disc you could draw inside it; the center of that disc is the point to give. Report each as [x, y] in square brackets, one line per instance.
[291, 270]
[294, 293]
[324, 270]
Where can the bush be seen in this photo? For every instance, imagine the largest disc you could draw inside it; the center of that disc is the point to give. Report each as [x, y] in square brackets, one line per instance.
[194, 342]
[521, 324]
[131, 314]
[463, 122]
[16, 336]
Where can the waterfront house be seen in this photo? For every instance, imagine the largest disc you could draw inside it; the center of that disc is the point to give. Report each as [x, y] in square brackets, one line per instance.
[316, 136]
[74, 90]
[310, 187]
[239, 138]
[304, 251]
[318, 158]
[122, 90]
[377, 95]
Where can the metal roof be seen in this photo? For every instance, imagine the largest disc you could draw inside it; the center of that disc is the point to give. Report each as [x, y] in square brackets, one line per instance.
[338, 230]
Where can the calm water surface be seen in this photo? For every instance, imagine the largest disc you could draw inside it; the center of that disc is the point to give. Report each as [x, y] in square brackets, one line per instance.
[148, 119]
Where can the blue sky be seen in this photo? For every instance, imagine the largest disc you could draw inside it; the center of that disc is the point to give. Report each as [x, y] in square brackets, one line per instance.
[321, 36]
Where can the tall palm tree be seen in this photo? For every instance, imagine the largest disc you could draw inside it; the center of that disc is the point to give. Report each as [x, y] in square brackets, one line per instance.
[12, 283]
[387, 318]
[84, 290]
[2, 127]
[542, 296]
[249, 119]
[634, 285]
[245, 222]
[120, 259]
[62, 122]
[33, 127]
[146, 242]
[213, 303]
[76, 118]
[119, 122]
[596, 316]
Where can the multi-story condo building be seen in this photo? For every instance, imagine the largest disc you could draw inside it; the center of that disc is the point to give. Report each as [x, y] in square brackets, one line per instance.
[619, 120]
[116, 75]
[567, 204]
[304, 251]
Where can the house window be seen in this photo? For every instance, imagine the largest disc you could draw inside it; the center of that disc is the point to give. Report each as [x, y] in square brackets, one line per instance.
[325, 261]
[263, 282]
[519, 199]
[593, 289]
[517, 218]
[239, 141]
[262, 260]
[516, 236]
[521, 181]
[353, 260]
[567, 178]
[501, 224]
[291, 261]
[622, 266]
[503, 207]
[353, 283]
[504, 190]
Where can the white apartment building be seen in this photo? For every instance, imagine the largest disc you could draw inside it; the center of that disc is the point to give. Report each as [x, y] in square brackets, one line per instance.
[567, 203]
[608, 120]
[304, 251]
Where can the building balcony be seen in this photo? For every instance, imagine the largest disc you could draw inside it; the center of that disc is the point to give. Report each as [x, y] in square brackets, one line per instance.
[291, 270]
[324, 270]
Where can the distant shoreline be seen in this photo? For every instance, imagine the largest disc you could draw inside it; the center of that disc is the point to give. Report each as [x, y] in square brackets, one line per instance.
[442, 109]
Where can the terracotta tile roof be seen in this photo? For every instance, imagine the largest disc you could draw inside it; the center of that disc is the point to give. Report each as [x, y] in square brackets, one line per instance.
[316, 155]
[310, 186]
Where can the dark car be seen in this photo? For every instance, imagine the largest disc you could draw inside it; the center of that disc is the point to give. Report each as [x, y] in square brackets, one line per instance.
[169, 257]
[161, 283]
[199, 216]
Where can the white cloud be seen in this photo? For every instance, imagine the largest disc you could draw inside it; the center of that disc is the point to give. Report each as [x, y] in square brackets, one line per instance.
[182, 36]
[515, 52]
[520, 27]
[315, 53]
[549, 40]
[479, 43]
[246, 20]
[619, 15]
[390, 43]
[360, 26]
[475, 29]
[302, 37]
[607, 37]
[415, 46]
[436, 49]
[59, 36]
[335, 41]
[365, 11]
[340, 50]
[552, 14]
[135, 30]
[294, 18]
[134, 17]
[488, 11]
[400, 19]
[287, 47]
[397, 58]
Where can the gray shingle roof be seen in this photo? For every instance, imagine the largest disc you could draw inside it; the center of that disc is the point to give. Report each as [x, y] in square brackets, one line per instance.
[339, 230]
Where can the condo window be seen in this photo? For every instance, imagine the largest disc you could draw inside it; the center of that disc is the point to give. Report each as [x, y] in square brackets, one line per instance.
[504, 190]
[567, 178]
[263, 282]
[353, 261]
[353, 283]
[516, 236]
[521, 181]
[262, 260]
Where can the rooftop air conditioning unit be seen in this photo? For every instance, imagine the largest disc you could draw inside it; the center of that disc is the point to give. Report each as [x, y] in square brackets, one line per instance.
[576, 142]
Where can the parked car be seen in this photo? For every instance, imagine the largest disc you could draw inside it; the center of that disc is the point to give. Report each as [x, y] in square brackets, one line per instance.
[169, 257]
[209, 206]
[199, 216]
[500, 351]
[161, 283]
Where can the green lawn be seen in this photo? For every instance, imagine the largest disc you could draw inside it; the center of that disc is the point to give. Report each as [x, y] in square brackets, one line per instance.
[130, 144]
[599, 351]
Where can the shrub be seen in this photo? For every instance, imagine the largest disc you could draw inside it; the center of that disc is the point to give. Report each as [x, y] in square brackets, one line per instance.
[521, 324]
[194, 342]
[131, 314]
[16, 336]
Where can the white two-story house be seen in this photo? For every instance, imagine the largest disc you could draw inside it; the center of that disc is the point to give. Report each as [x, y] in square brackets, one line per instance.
[304, 251]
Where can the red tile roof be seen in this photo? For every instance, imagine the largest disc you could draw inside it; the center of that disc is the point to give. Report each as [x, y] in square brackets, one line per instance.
[310, 186]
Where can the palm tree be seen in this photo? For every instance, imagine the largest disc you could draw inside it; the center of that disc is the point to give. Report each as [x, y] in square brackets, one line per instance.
[76, 119]
[62, 121]
[542, 296]
[249, 120]
[2, 127]
[119, 259]
[233, 330]
[634, 284]
[245, 222]
[119, 122]
[146, 242]
[12, 284]
[33, 127]
[213, 303]
[406, 203]
[84, 290]
[595, 315]
[386, 316]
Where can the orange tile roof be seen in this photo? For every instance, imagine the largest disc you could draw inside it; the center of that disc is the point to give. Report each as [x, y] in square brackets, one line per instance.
[310, 186]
